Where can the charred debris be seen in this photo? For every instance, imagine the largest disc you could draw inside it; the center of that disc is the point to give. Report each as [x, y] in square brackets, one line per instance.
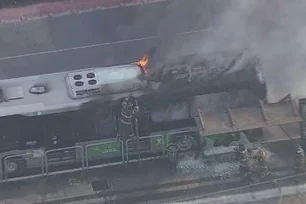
[196, 74]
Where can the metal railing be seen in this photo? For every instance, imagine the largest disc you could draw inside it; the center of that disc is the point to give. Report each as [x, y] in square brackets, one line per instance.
[179, 132]
[76, 148]
[81, 158]
[21, 157]
[101, 156]
[1, 171]
[274, 190]
[161, 141]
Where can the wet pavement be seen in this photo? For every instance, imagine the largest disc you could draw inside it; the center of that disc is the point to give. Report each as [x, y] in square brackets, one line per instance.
[102, 38]
[129, 179]
[296, 199]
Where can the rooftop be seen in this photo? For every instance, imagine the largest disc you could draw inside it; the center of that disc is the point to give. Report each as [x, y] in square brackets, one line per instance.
[16, 98]
[245, 118]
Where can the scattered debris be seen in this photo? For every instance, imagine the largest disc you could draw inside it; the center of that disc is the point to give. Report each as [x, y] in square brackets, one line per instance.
[218, 150]
[213, 167]
[74, 182]
[189, 164]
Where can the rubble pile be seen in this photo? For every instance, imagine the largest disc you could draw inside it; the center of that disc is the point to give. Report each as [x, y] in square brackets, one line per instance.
[189, 165]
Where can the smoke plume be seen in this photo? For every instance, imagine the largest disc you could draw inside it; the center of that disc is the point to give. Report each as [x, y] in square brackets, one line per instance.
[273, 30]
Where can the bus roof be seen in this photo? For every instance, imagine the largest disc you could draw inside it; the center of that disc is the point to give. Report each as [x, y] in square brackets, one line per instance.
[17, 99]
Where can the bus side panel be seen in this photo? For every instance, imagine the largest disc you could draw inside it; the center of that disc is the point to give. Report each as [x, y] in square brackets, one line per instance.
[107, 150]
[156, 144]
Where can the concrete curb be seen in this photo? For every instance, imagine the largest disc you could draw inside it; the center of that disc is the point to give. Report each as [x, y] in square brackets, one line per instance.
[35, 13]
[252, 196]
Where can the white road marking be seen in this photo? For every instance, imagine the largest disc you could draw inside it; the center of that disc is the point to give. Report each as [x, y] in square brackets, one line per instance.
[75, 48]
[95, 45]
[195, 31]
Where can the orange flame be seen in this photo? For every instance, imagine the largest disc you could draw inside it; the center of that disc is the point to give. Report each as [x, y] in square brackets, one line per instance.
[143, 63]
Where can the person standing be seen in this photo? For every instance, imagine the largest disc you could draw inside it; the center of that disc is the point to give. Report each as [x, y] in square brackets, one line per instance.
[263, 164]
[243, 157]
[300, 159]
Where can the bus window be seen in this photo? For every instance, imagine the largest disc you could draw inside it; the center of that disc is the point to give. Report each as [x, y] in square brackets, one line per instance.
[59, 131]
[170, 112]
[94, 123]
[171, 116]
[84, 127]
[102, 113]
[103, 119]
[32, 132]
[9, 135]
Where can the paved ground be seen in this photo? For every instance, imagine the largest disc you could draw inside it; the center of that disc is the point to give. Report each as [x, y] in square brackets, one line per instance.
[297, 199]
[82, 57]
[130, 177]
[101, 38]
[49, 8]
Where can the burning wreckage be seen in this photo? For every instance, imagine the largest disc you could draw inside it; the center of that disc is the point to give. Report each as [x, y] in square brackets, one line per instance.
[105, 116]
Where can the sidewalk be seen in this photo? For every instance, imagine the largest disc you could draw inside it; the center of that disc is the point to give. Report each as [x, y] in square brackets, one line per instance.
[125, 179]
[52, 9]
[128, 179]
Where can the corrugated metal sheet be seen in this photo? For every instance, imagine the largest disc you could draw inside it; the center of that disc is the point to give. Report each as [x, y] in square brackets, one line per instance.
[245, 118]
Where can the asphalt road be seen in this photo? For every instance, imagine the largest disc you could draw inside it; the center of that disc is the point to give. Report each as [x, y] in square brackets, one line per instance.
[102, 38]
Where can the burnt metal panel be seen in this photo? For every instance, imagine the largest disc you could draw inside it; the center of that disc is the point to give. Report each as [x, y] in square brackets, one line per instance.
[214, 123]
[246, 118]
[302, 107]
[100, 185]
